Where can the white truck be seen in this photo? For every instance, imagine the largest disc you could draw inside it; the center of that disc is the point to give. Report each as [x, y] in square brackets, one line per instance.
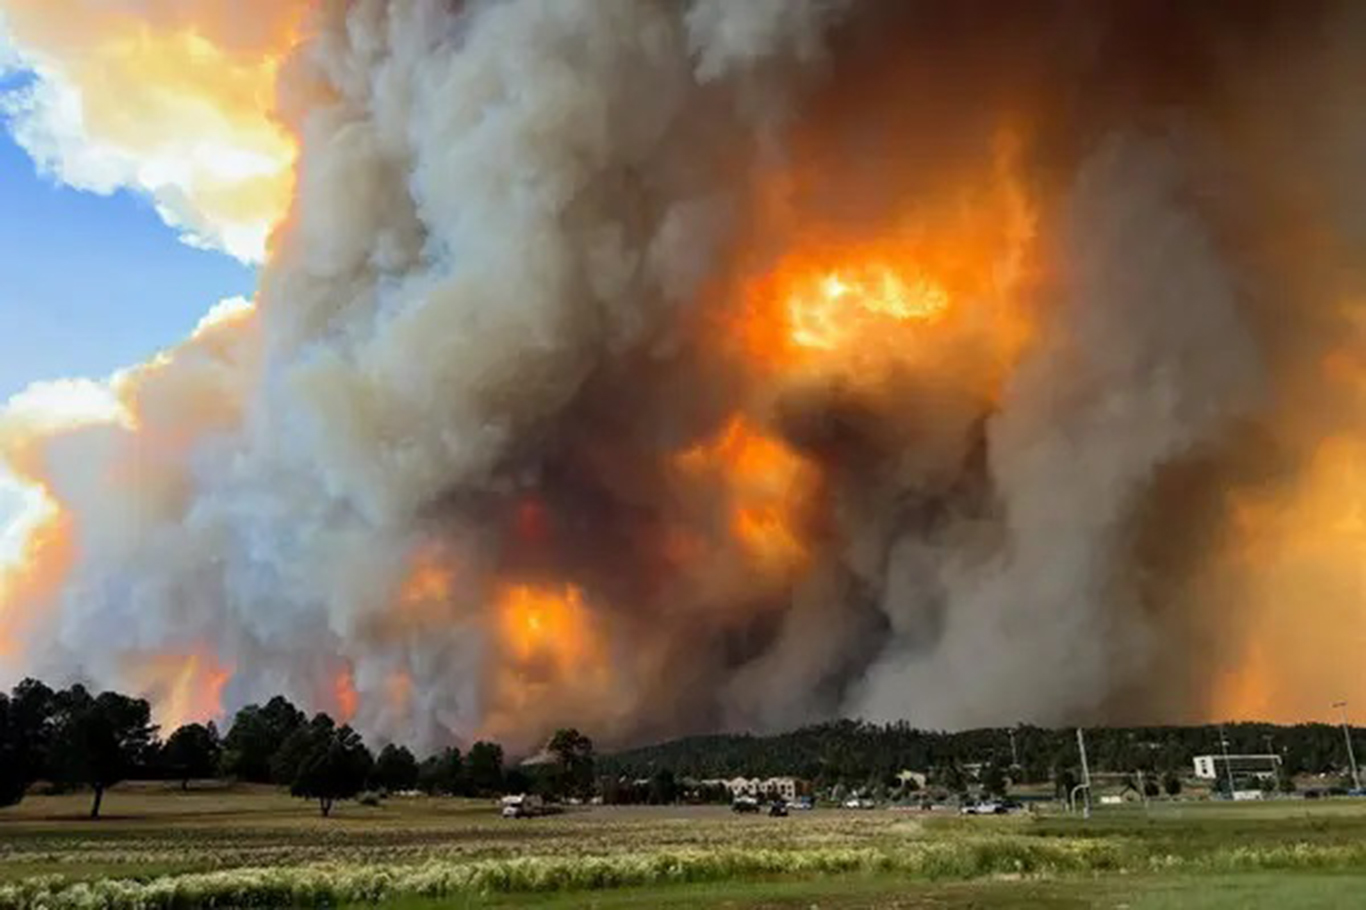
[523, 805]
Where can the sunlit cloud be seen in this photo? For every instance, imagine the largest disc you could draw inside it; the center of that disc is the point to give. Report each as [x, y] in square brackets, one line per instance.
[136, 97]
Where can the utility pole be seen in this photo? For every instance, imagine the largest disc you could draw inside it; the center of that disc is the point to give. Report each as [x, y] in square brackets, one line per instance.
[1085, 773]
[1275, 760]
[1014, 755]
[1347, 735]
[1228, 766]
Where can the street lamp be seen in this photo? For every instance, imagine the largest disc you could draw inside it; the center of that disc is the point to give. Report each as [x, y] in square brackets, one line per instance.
[1085, 775]
[1347, 735]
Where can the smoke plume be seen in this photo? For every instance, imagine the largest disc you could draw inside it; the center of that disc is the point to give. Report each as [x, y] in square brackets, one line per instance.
[668, 366]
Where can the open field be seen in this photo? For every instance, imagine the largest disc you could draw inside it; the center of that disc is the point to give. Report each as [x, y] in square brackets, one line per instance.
[161, 848]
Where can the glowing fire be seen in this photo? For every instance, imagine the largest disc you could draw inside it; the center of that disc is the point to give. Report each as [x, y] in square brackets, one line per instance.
[182, 688]
[545, 626]
[344, 695]
[767, 484]
[1290, 548]
[830, 309]
[944, 282]
[551, 653]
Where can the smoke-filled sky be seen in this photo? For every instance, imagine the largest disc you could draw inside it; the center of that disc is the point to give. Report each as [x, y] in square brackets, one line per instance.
[670, 365]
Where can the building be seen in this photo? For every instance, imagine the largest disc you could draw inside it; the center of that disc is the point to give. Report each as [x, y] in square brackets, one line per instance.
[785, 788]
[1212, 767]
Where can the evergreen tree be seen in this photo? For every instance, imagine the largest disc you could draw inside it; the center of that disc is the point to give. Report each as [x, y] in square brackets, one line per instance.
[298, 746]
[444, 773]
[257, 733]
[484, 768]
[396, 769]
[336, 766]
[574, 760]
[192, 751]
[99, 740]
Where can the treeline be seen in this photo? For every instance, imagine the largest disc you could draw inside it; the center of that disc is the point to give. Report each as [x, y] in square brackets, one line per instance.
[853, 752]
[73, 739]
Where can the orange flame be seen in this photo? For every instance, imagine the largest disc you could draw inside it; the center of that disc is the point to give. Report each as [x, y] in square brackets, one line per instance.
[551, 656]
[767, 484]
[545, 626]
[826, 311]
[183, 688]
[948, 275]
[344, 695]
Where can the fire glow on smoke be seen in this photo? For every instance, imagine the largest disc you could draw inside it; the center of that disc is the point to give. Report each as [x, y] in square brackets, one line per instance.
[657, 367]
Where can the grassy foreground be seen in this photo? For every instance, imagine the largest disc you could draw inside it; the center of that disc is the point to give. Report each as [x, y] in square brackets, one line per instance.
[161, 848]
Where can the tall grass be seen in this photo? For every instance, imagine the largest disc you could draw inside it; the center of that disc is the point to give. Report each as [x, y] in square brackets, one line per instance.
[956, 858]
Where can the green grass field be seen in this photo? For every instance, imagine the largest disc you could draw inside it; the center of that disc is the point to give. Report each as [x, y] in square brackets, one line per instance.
[161, 848]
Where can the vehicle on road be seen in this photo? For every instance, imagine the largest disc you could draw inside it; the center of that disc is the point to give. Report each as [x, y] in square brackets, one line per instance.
[744, 804]
[521, 806]
[778, 809]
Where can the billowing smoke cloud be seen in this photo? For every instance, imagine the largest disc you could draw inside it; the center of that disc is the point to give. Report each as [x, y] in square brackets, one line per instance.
[660, 366]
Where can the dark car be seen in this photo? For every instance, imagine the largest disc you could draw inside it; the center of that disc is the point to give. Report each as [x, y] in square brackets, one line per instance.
[744, 805]
[778, 810]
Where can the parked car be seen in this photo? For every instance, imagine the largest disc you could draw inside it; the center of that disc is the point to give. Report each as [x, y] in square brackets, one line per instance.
[522, 806]
[778, 809]
[744, 804]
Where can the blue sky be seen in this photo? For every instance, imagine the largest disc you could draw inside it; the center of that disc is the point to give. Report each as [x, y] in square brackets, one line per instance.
[90, 283]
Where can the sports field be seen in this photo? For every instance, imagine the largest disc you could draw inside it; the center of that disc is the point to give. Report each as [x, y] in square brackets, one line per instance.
[162, 848]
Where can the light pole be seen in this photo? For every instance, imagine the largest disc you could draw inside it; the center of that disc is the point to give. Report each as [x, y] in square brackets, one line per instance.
[1347, 735]
[1085, 775]
[1228, 765]
[1014, 756]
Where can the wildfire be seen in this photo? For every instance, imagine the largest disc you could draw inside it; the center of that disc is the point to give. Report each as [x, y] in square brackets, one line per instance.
[550, 654]
[825, 311]
[344, 695]
[1288, 548]
[767, 484]
[183, 688]
[545, 626]
[944, 281]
